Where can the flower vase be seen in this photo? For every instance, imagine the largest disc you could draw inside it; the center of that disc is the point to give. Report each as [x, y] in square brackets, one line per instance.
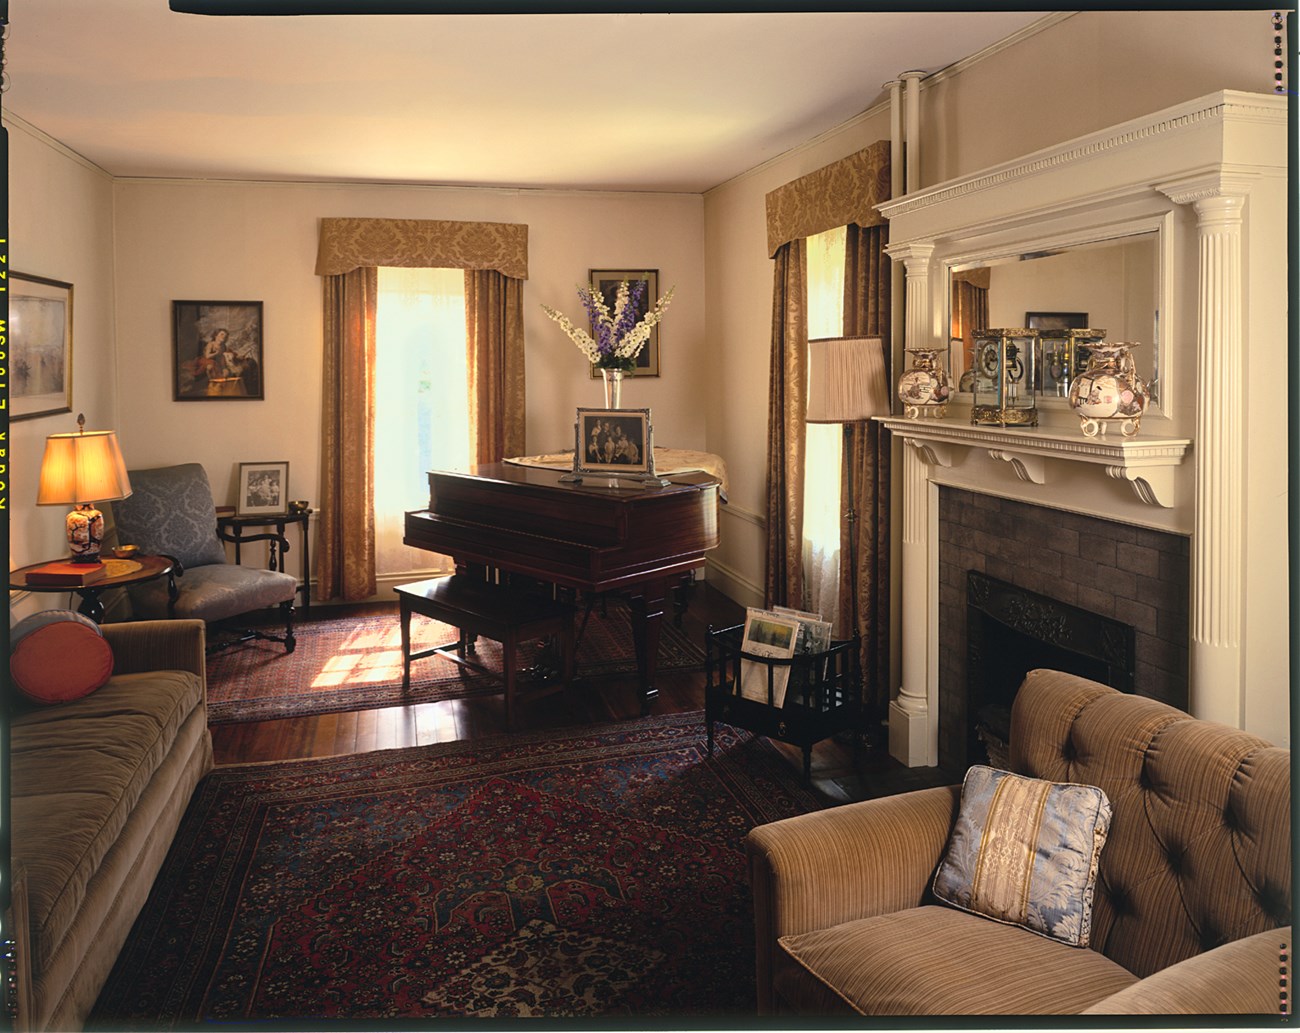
[1109, 392]
[613, 387]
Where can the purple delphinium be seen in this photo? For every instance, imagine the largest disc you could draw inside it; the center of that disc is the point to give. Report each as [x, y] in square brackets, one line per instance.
[599, 328]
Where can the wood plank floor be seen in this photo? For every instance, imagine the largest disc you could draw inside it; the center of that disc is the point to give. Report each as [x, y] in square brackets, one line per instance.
[838, 770]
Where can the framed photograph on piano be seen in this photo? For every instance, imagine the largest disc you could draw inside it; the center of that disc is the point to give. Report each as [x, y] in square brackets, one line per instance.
[614, 441]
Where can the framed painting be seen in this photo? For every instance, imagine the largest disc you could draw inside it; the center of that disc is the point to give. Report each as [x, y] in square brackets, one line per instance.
[1056, 320]
[263, 489]
[605, 282]
[217, 351]
[614, 441]
[40, 346]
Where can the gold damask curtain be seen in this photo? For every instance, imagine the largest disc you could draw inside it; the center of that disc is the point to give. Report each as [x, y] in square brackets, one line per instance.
[350, 252]
[865, 594]
[345, 530]
[844, 192]
[787, 410]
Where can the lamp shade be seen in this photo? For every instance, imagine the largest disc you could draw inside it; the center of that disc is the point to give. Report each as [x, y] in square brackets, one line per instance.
[82, 467]
[847, 380]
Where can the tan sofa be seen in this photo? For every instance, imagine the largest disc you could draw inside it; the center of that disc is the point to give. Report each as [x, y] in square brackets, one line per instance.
[1193, 899]
[98, 790]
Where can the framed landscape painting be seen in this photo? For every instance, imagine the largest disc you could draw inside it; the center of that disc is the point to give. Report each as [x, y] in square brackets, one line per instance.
[216, 351]
[605, 282]
[40, 343]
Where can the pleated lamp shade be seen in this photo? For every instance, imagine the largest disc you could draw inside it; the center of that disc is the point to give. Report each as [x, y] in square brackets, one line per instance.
[847, 381]
[82, 467]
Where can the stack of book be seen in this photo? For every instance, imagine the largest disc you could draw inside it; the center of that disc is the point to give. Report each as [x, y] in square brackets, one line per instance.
[66, 573]
[779, 633]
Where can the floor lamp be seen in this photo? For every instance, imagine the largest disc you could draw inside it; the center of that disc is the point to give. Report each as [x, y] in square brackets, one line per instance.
[848, 383]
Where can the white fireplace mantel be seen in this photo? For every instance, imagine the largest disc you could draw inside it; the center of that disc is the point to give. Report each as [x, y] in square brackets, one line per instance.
[1209, 178]
[1149, 465]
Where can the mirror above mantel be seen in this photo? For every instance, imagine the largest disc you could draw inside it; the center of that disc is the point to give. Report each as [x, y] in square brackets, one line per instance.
[1111, 284]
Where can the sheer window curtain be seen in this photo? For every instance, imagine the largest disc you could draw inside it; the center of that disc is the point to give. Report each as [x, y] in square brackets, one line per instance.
[349, 253]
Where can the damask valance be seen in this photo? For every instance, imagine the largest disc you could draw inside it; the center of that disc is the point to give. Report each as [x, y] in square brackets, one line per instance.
[347, 244]
[842, 192]
[975, 277]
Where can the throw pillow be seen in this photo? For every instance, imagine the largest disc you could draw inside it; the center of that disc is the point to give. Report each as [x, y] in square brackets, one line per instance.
[1024, 852]
[58, 656]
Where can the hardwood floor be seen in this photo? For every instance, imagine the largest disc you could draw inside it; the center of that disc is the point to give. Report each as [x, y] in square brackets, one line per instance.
[836, 771]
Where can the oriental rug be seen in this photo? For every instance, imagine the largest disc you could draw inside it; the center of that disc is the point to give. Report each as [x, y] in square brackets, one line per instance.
[356, 664]
[593, 872]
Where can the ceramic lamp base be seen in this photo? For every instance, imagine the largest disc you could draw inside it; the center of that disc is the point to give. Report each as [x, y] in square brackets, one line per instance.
[85, 533]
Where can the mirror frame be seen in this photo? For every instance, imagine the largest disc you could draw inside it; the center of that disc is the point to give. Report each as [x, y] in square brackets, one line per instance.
[1160, 224]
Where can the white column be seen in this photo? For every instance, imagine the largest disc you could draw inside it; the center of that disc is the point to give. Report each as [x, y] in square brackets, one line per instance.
[913, 149]
[1218, 550]
[913, 722]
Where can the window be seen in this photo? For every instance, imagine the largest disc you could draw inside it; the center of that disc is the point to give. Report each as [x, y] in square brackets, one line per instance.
[822, 454]
[421, 401]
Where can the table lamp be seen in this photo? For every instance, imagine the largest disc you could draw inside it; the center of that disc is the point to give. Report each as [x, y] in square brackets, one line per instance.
[81, 469]
[847, 383]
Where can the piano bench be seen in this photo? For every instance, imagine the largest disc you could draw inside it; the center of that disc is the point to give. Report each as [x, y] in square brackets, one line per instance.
[477, 607]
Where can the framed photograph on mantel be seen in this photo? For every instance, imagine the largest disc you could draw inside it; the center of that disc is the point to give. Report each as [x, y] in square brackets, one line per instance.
[40, 346]
[263, 489]
[216, 351]
[605, 282]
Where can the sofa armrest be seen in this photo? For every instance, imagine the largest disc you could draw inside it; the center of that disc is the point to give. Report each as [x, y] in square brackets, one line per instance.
[178, 645]
[1238, 978]
[817, 870]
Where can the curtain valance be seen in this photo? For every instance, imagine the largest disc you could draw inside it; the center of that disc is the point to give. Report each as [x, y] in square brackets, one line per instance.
[843, 192]
[347, 244]
[975, 277]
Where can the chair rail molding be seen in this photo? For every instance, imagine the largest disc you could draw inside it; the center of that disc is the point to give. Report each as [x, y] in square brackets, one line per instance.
[1209, 178]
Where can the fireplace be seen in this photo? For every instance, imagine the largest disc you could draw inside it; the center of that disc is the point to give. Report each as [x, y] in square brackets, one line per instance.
[1011, 631]
[1024, 586]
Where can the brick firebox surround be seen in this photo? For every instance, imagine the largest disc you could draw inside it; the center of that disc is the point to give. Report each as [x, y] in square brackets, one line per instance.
[1132, 574]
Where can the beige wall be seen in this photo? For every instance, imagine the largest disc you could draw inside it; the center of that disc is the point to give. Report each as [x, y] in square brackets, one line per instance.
[1094, 69]
[61, 227]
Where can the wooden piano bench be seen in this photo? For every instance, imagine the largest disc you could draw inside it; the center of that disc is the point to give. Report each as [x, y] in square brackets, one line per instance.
[476, 607]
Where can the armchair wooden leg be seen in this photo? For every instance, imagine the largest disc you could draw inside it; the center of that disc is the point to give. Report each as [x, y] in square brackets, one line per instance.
[290, 643]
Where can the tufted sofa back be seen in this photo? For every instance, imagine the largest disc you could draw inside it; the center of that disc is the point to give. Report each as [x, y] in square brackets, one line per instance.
[1199, 852]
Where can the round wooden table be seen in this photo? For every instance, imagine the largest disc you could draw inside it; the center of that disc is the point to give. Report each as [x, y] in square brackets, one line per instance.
[120, 573]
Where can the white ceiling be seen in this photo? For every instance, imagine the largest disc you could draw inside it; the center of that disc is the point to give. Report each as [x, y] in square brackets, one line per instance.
[673, 102]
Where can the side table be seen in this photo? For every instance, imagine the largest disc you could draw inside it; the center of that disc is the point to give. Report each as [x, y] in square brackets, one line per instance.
[231, 529]
[121, 573]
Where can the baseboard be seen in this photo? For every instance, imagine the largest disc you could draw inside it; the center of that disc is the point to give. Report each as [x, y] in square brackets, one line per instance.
[733, 585]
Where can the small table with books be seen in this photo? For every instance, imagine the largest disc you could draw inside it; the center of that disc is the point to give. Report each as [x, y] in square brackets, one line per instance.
[90, 580]
[780, 675]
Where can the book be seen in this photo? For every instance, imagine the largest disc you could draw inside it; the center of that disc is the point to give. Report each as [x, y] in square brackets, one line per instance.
[767, 634]
[65, 572]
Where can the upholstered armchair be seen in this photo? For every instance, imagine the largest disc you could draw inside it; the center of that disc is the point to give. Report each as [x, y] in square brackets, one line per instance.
[171, 513]
[1192, 905]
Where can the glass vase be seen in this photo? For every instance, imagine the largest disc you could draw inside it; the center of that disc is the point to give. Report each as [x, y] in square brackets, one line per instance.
[613, 387]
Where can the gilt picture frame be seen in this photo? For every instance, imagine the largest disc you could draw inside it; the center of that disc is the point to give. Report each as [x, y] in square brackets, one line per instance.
[263, 489]
[605, 283]
[40, 346]
[616, 442]
[217, 351]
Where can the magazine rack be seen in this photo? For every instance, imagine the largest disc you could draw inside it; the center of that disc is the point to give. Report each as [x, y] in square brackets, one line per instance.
[823, 693]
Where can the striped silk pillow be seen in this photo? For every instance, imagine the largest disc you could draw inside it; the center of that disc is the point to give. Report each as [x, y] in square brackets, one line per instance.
[1024, 852]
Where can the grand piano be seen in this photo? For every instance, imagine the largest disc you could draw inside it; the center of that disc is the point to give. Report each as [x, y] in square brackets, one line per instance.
[600, 535]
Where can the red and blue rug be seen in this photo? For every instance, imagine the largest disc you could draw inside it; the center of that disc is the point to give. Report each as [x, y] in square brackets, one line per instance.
[593, 872]
[355, 663]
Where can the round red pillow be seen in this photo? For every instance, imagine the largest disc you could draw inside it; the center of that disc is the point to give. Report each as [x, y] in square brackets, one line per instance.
[60, 662]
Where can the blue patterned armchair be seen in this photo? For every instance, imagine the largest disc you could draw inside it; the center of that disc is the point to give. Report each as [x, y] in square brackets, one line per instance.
[171, 513]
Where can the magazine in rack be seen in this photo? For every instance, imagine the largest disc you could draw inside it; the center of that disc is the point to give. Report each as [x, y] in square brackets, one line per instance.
[780, 633]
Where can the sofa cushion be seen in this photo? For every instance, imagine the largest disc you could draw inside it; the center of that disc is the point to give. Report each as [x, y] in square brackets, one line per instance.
[939, 961]
[77, 771]
[1025, 851]
[58, 656]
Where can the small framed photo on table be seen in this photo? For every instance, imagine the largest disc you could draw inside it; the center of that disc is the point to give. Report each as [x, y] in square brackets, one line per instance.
[614, 441]
[263, 489]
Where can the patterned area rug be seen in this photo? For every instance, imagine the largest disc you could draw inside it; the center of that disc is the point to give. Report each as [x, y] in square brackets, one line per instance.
[356, 664]
[584, 872]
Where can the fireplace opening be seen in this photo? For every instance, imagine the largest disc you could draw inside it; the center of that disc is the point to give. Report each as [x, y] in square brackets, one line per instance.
[1011, 631]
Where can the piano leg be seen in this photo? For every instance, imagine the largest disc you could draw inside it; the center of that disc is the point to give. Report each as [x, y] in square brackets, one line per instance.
[647, 611]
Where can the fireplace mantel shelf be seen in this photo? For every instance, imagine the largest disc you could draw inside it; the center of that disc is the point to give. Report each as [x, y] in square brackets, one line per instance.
[1146, 463]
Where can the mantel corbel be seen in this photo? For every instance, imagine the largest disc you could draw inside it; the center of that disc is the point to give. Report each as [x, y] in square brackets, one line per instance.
[1029, 468]
[935, 453]
[1153, 485]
